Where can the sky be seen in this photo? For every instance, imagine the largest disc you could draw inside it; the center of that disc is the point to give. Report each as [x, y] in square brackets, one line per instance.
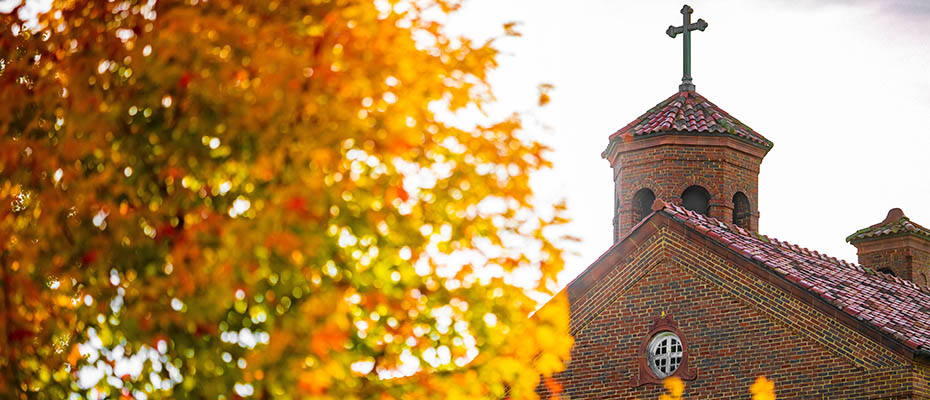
[841, 87]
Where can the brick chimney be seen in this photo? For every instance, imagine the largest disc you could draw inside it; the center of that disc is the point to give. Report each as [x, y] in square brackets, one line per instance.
[895, 246]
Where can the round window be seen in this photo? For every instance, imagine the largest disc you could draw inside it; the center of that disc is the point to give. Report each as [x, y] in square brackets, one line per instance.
[664, 354]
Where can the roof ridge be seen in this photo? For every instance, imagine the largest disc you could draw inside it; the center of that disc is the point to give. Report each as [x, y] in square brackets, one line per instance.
[689, 112]
[727, 115]
[642, 117]
[814, 253]
[722, 111]
[786, 245]
[902, 281]
[780, 243]
[893, 224]
[741, 231]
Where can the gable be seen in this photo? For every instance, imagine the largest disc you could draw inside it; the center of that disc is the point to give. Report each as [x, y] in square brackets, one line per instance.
[730, 344]
[740, 326]
[611, 275]
[888, 310]
[781, 308]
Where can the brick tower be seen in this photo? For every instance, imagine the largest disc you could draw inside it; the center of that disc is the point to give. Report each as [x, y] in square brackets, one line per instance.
[686, 151]
[895, 246]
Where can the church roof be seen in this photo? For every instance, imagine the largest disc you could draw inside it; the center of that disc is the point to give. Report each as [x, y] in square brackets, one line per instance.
[896, 223]
[890, 304]
[689, 112]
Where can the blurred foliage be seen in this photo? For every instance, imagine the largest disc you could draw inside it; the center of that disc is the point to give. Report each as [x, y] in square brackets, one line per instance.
[762, 389]
[675, 388]
[222, 199]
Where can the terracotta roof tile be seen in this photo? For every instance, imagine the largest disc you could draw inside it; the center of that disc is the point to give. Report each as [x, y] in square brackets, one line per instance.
[896, 223]
[688, 111]
[888, 303]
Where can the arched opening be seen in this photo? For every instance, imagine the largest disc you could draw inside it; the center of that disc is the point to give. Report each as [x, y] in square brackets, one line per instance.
[616, 204]
[741, 210]
[887, 271]
[616, 219]
[696, 198]
[642, 204]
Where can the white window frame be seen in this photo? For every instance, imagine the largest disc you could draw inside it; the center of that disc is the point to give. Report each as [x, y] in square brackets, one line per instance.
[667, 350]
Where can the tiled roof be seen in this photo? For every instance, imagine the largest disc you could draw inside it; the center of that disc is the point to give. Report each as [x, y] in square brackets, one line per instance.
[893, 305]
[896, 223]
[688, 111]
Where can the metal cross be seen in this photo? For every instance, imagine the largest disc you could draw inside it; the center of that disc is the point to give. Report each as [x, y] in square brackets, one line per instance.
[686, 28]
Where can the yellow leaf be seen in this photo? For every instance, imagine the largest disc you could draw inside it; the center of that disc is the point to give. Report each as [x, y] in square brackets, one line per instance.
[762, 389]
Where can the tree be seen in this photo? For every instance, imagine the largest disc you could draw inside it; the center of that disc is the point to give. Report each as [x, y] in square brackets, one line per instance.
[262, 198]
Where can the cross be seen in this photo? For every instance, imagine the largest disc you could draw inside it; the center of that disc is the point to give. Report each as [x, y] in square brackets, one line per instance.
[686, 28]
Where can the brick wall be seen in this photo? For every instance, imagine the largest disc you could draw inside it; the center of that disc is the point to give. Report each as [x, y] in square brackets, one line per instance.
[908, 256]
[897, 260]
[737, 326]
[921, 267]
[677, 162]
[922, 382]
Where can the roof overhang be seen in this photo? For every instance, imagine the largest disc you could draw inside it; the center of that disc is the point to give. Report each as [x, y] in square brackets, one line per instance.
[895, 241]
[623, 144]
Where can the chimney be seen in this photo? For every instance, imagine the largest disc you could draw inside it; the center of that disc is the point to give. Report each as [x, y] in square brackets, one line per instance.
[895, 246]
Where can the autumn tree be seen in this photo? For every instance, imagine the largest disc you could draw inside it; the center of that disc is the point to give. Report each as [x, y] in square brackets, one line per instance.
[219, 198]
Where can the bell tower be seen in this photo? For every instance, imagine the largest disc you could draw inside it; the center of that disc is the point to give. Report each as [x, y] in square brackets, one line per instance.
[687, 151]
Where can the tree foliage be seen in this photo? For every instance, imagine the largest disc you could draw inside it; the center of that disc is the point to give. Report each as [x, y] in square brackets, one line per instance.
[265, 198]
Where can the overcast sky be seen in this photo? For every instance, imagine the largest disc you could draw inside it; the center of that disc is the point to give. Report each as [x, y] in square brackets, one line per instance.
[841, 87]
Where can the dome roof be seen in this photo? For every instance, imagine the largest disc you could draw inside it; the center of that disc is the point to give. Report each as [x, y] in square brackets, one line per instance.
[687, 112]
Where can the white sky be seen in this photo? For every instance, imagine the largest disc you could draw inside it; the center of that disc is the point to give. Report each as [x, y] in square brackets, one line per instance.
[842, 88]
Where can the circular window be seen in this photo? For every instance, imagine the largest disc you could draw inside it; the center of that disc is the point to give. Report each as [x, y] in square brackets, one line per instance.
[664, 354]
